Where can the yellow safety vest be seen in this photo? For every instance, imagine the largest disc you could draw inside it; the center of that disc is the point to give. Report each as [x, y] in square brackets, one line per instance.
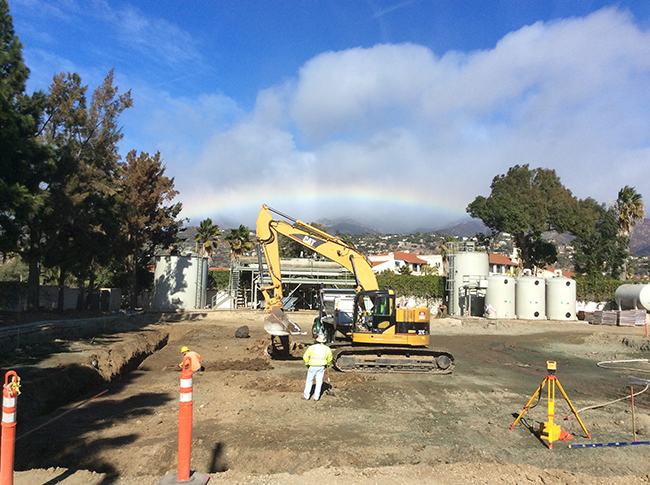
[317, 355]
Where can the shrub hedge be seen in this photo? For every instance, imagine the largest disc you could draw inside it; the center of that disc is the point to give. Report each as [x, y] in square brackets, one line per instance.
[598, 289]
[433, 286]
[427, 287]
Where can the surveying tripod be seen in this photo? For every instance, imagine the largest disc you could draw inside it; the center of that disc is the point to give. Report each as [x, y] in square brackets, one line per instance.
[548, 430]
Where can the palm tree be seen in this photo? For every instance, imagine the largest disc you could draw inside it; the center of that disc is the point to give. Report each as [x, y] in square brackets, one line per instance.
[207, 235]
[239, 241]
[629, 209]
[444, 251]
[629, 212]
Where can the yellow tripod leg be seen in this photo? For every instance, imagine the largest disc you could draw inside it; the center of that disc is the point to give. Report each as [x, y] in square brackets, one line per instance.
[539, 389]
[551, 411]
[573, 409]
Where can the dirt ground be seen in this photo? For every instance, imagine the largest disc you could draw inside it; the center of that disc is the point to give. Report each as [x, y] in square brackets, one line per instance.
[251, 425]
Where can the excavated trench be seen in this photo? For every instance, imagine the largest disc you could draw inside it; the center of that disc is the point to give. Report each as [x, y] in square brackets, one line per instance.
[62, 362]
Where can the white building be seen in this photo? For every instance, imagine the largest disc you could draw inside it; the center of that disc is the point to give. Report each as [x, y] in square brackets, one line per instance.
[396, 259]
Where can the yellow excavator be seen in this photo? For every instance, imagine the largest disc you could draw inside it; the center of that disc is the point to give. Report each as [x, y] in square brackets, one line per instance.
[383, 337]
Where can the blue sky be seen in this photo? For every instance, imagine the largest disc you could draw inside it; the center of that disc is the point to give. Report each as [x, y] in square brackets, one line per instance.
[396, 114]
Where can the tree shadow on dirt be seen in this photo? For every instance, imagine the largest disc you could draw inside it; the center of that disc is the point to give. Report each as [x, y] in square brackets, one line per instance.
[59, 478]
[66, 439]
[217, 461]
[29, 346]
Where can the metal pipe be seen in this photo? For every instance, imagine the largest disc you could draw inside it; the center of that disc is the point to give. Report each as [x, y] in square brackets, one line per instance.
[281, 214]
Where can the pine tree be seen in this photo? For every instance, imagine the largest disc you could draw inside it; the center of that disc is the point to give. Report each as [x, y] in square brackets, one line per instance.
[149, 221]
[84, 138]
[25, 168]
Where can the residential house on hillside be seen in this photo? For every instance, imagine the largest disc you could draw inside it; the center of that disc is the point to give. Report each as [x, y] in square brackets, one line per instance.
[498, 264]
[395, 260]
[548, 272]
[501, 264]
[434, 261]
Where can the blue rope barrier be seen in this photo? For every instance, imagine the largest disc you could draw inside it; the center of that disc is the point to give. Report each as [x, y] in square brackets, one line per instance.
[603, 445]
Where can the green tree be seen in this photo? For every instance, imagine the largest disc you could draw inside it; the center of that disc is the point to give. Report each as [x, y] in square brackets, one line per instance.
[405, 269]
[239, 241]
[207, 236]
[25, 168]
[13, 269]
[428, 270]
[525, 203]
[149, 219]
[219, 279]
[445, 249]
[629, 209]
[84, 137]
[601, 252]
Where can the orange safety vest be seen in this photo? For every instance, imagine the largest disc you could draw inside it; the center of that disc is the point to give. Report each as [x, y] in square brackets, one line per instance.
[195, 363]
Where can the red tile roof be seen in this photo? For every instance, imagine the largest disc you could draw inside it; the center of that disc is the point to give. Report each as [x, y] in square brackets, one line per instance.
[408, 257]
[566, 274]
[501, 259]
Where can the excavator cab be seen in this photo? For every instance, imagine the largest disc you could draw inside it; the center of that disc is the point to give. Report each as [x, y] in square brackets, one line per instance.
[374, 311]
[377, 320]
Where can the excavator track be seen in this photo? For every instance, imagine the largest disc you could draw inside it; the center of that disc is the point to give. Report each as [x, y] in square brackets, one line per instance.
[393, 359]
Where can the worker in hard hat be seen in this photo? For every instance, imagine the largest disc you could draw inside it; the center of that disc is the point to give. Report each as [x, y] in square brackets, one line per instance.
[195, 359]
[317, 357]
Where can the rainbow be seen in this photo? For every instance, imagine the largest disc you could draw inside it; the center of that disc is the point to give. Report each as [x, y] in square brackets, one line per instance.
[315, 202]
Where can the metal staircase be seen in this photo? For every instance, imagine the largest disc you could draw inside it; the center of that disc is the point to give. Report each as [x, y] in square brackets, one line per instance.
[233, 285]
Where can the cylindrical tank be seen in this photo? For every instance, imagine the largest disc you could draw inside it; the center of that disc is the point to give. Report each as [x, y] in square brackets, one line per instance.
[530, 297]
[468, 269]
[633, 297]
[180, 282]
[500, 297]
[560, 298]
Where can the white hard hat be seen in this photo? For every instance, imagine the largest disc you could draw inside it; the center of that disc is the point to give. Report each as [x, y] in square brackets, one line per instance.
[321, 338]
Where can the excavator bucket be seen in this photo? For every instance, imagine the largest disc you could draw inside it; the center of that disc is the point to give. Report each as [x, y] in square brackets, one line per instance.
[277, 323]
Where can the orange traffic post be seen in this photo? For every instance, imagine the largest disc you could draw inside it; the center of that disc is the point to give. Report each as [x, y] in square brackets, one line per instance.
[10, 393]
[185, 415]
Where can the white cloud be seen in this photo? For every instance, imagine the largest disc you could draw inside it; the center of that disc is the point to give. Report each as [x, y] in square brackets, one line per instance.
[153, 37]
[396, 133]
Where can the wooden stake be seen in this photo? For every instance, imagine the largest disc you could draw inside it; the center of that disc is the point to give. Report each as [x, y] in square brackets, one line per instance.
[633, 415]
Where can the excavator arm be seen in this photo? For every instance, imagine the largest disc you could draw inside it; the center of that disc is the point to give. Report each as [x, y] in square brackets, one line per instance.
[331, 247]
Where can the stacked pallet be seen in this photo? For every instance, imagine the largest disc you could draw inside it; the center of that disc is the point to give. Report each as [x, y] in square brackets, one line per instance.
[605, 317]
[630, 318]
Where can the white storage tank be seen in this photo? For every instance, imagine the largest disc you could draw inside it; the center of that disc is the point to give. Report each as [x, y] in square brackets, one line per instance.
[500, 297]
[530, 297]
[467, 269]
[633, 297]
[560, 298]
[180, 282]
